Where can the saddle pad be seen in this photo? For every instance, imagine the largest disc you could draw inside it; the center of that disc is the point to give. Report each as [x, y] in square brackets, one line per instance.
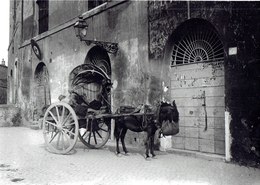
[126, 109]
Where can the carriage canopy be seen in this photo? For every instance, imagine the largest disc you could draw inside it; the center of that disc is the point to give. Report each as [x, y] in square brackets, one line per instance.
[91, 82]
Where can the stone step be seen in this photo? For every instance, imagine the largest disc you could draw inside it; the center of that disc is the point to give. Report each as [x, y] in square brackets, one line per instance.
[36, 125]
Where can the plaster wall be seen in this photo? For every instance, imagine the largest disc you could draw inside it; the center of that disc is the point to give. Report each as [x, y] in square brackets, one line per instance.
[62, 11]
[62, 52]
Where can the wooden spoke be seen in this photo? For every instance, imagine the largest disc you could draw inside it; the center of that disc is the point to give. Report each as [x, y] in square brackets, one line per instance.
[65, 125]
[66, 119]
[95, 139]
[103, 130]
[55, 125]
[58, 140]
[53, 117]
[89, 136]
[57, 111]
[84, 134]
[68, 125]
[62, 115]
[62, 140]
[67, 137]
[96, 136]
[99, 135]
[68, 131]
[53, 136]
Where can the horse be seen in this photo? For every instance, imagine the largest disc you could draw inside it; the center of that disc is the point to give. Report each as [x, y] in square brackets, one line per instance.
[148, 122]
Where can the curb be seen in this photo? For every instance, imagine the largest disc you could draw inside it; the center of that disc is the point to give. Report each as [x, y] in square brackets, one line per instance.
[206, 156]
[187, 153]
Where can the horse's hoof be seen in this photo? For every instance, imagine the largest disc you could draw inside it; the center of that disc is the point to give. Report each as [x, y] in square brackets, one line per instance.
[118, 154]
[127, 154]
[154, 157]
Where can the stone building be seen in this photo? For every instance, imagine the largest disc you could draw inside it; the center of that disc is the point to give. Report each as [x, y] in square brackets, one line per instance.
[206, 53]
[3, 82]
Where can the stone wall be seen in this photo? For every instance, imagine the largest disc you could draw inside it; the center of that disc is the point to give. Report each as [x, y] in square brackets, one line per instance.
[238, 26]
[10, 116]
[3, 84]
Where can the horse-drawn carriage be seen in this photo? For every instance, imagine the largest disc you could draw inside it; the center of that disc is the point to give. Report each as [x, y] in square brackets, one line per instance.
[87, 114]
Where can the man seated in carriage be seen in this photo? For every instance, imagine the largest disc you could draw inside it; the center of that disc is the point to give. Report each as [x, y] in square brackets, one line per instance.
[84, 102]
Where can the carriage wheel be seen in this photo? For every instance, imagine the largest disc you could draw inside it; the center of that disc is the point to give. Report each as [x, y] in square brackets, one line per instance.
[94, 133]
[60, 128]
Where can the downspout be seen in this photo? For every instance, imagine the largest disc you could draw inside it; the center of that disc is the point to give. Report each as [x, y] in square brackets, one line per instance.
[188, 9]
[22, 21]
[227, 136]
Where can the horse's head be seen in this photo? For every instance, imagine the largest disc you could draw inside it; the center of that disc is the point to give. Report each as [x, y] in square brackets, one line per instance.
[167, 112]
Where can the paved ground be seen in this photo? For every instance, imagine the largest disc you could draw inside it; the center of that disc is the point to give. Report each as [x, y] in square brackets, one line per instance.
[23, 160]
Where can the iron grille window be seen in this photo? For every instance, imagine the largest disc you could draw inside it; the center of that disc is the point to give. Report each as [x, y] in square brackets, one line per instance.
[43, 15]
[199, 44]
[94, 3]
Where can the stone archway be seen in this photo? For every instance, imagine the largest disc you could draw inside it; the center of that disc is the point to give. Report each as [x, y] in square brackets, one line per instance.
[196, 57]
[42, 87]
[99, 57]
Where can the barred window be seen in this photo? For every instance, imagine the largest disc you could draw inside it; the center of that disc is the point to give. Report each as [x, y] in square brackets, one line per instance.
[198, 43]
[94, 3]
[43, 15]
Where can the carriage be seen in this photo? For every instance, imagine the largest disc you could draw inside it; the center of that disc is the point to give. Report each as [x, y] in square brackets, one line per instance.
[86, 114]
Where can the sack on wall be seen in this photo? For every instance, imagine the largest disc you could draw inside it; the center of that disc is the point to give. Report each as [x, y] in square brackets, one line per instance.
[170, 128]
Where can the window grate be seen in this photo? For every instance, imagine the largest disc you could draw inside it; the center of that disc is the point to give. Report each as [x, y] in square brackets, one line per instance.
[202, 44]
[94, 3]
[43, 15]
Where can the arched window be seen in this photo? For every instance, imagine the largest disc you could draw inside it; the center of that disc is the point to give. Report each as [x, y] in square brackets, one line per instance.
[196, 42]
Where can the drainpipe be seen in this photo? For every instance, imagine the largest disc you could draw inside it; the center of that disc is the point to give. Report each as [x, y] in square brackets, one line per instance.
[22, 21]
[227, 137]
[188, 9]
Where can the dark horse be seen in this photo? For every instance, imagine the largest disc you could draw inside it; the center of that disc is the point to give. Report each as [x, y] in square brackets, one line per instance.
[149, 122]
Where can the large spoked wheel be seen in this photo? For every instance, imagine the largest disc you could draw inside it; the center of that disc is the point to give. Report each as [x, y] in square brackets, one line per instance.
[60, 128]
[94, 133]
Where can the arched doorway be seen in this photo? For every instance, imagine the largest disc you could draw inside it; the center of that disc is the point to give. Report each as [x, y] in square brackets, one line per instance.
[99, 57]
[197, 84]
[42, 88]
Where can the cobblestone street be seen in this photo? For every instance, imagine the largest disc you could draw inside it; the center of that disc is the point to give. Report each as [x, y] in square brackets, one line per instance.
[23, 160]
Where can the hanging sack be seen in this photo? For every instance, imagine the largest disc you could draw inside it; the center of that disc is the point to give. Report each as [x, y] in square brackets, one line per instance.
[170, 128]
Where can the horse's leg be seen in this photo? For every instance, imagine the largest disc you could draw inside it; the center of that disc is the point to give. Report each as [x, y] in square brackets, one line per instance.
[122, 137]
[152, 145]
[117, 133]
[150, 140]
[147, 145]
[153, 130]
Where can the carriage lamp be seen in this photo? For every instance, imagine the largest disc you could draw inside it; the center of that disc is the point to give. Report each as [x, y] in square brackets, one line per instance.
[80, 28]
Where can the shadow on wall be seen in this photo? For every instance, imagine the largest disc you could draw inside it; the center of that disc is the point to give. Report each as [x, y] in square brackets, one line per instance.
[245, 125]
[131, 87]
